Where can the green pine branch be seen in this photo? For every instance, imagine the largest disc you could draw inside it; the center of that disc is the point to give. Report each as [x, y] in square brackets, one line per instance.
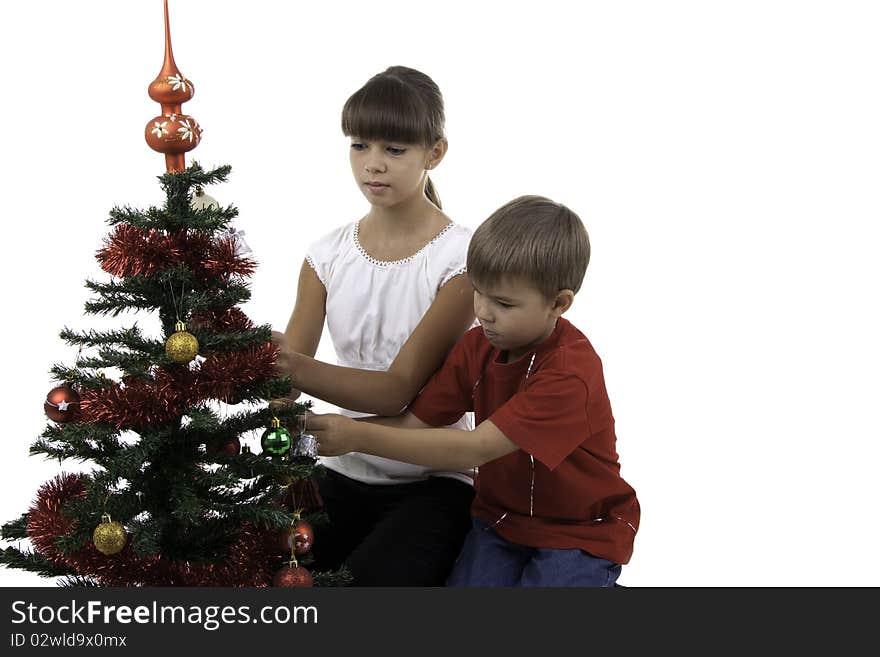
[234, 341]
[15, 530]
[207, 220]
[179, 186]
[131, 338]
[141, 293]
[32, 561]
[80, 377]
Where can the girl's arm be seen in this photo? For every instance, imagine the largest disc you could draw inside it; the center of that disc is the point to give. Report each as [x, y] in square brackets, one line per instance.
[383, 393]
[441, 449]
[306, 323]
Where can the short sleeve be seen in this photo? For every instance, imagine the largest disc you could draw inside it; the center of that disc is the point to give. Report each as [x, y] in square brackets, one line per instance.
[448, 393]
[549, 418]
[319, 266]
[448, 257]
[323, 253]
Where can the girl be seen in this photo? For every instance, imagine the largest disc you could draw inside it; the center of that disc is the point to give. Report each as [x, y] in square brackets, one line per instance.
[396, 298]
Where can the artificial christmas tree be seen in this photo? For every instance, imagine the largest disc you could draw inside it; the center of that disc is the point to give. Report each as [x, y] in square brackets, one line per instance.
[173, 498]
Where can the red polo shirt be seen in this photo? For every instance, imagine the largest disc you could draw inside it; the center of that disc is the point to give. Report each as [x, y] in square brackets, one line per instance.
[562, 488]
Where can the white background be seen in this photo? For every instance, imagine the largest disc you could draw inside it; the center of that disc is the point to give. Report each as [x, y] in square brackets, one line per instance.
[725, 157]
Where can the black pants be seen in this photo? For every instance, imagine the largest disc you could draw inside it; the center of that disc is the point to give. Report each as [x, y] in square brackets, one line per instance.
[393, 535]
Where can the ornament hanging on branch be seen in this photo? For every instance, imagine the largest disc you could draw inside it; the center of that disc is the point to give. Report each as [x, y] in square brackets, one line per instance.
[200, 200]
[276, 440]
[62, 404]
[181, 346]
[306, 443]
[299, 538]
[306, 446]
[109, 536]
[241, 247]
[292, 576]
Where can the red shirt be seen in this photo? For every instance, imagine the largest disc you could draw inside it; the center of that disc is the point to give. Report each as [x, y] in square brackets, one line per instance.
[562, 488]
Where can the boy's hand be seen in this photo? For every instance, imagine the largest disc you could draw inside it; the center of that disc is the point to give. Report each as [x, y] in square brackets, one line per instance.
[335, 433]
[284, 365]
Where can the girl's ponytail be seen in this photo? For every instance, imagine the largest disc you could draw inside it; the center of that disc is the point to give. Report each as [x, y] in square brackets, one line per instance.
[431, 193]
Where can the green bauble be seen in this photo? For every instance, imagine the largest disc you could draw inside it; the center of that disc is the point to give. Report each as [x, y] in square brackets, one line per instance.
[276, 441]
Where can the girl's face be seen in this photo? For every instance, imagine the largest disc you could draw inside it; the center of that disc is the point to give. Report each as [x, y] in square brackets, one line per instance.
[389, 173]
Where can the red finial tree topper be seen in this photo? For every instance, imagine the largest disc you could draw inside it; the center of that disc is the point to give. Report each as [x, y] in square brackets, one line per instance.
[172, 132]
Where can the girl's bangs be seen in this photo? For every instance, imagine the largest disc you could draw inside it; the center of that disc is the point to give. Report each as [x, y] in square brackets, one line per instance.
[385, 111]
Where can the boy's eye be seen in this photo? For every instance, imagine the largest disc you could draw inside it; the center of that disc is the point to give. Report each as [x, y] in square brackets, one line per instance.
[504, 305]
[358, 146]
[394, 150]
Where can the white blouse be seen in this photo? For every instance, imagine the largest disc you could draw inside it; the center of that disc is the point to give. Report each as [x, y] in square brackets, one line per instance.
[373, 307]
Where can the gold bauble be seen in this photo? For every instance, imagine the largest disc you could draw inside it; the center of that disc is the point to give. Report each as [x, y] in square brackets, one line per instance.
[109, 537]
[182, 346]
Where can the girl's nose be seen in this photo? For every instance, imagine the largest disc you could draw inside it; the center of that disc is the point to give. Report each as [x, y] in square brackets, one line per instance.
[374, 165]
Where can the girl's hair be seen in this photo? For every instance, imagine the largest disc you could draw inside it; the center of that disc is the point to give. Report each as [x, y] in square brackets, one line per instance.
[401, 105]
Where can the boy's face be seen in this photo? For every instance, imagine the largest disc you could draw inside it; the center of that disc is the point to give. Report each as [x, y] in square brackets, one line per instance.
[516, 316]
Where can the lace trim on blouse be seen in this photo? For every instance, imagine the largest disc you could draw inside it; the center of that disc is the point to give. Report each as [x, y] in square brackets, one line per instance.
[389, 263]
[452, 274]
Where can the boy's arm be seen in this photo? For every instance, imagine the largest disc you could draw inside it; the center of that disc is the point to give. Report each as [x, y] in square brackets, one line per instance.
[441, 449]
[403, 421]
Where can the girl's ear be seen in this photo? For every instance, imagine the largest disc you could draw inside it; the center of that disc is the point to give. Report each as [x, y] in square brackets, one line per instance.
[436, 152]
[562, 302]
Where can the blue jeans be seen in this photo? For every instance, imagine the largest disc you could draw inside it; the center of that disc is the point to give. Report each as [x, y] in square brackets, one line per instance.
[486, 559]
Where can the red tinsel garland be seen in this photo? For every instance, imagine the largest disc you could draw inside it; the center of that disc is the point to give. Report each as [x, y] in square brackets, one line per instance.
[221, 260]
[223, 372]
[140, 403]
[251, 560]
[221, 321]
[133, 251]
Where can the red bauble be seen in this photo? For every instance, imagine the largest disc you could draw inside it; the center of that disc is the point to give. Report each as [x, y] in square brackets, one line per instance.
[304, 537]
[300, 537]
[291, 577]
[62, 404]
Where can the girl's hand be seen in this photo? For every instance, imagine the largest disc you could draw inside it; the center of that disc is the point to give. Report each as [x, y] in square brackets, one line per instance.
[335, 433]
[284, 366]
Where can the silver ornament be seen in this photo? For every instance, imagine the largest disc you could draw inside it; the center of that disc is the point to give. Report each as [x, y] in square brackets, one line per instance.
[307, 445]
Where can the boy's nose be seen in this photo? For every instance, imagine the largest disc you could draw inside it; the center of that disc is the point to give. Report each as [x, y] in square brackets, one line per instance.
[481, 310]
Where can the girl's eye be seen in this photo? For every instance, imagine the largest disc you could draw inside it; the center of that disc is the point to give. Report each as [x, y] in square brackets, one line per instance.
[394, 150]
[504, 305]
[358, 146]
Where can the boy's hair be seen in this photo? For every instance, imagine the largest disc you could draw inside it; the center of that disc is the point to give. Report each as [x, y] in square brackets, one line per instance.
[534, 238]
[400, 105]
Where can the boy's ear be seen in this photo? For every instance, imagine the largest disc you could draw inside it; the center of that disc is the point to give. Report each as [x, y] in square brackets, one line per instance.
[562, 302]
[436, 153]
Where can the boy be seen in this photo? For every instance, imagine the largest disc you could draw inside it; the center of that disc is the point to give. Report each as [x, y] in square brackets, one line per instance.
[551, 508]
